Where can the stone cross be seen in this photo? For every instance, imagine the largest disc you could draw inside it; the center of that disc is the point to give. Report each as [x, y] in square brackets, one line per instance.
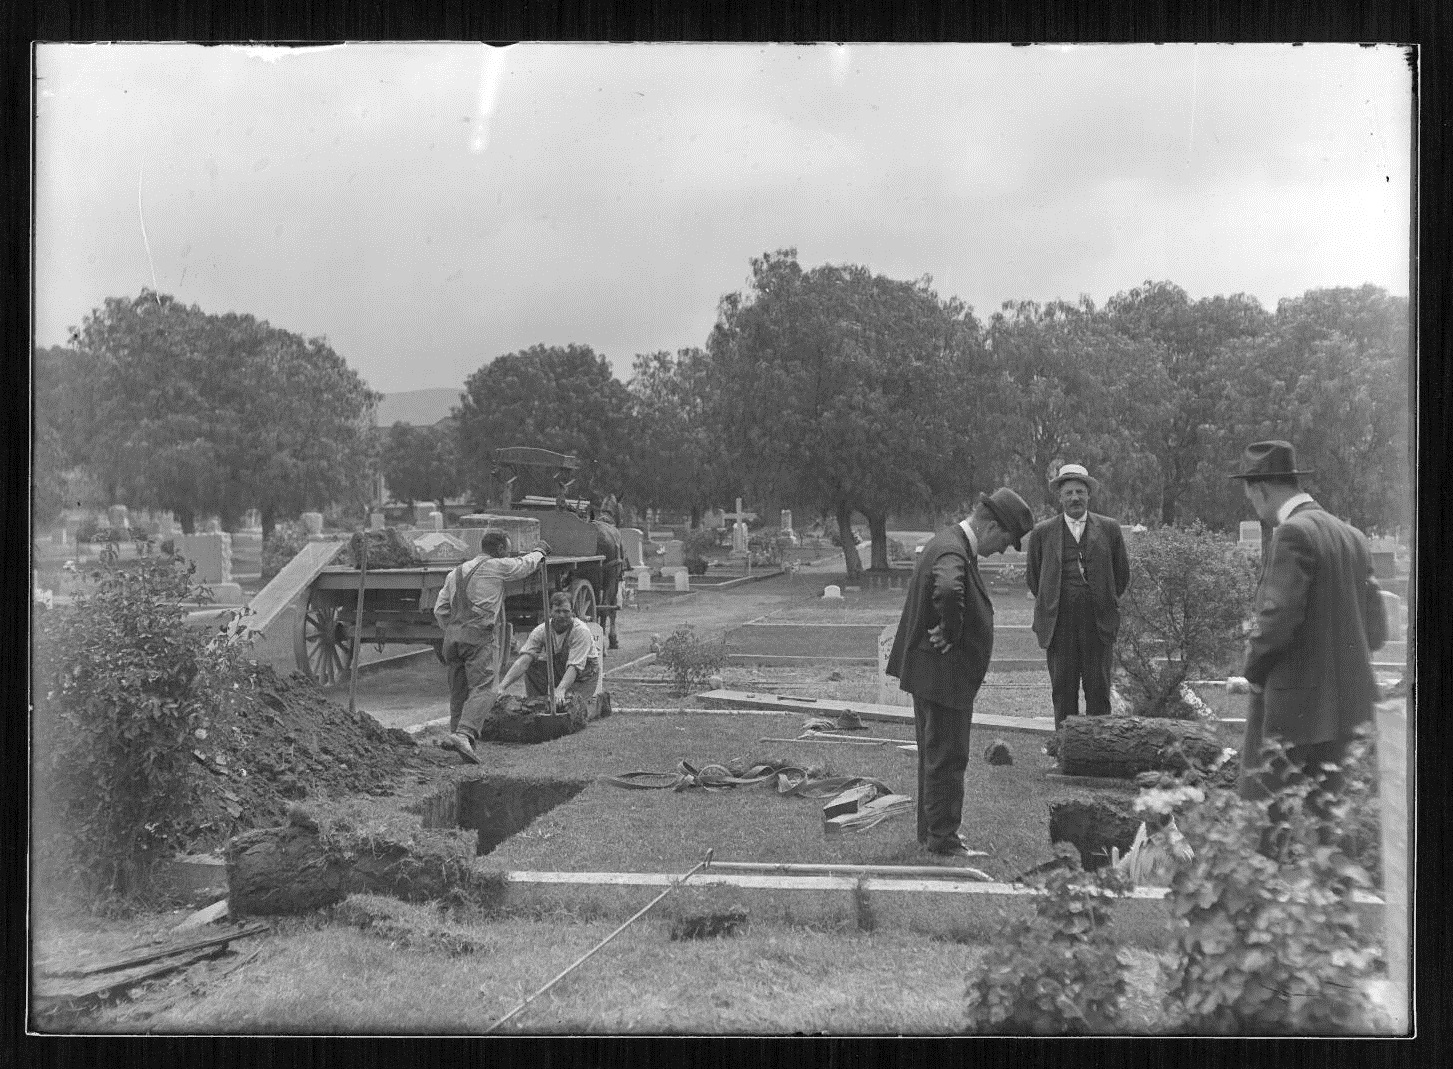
[739, 529]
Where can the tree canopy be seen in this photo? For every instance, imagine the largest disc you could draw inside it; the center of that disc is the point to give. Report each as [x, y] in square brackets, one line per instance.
[421, 463]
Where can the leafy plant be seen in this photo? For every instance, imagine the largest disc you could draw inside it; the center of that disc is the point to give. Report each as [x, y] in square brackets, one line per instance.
[1269, 940]
[691, 661]
[286, 542]
[700, 542]
[1181, 616]
[1057, 972]
[122, 687]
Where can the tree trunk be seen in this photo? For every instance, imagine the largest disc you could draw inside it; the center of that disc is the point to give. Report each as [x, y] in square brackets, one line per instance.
[269, 521]
[1125, 746]
[695, 517]
[188, 520]
[878, 531]
[850, 543]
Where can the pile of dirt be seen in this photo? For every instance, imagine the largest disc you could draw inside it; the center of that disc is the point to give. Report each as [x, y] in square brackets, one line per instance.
[387, 548]
[279, 741]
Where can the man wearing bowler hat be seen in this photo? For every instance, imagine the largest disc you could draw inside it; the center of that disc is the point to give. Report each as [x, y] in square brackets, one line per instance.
[1318, 616]
[1077, 571]
[941, 653]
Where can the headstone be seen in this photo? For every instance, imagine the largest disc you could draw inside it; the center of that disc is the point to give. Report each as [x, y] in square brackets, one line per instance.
[211, 552]
[683, 581]
[786, 524]
[632, 538]
[166, 524]
[214, 525]
[58, 536]
[888, 692]
[739, 530]
[118, 517]
[421, 513]
[1250, 533]
[1384, 564]
[643, 578]
[1394, 606]
[436, 520]
[675, 555]
[832, 591]
[375, 521]
[252, 520]
[313, 524]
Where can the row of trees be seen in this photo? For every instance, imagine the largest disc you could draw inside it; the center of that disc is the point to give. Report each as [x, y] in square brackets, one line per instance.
[833, 390]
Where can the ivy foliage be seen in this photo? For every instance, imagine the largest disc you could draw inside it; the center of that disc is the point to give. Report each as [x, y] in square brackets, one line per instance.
[1058, 972]
[1269, 939]
[122, 687]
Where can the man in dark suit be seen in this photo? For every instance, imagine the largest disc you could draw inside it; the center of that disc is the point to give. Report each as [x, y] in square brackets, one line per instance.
[1319, 614]
[1077, 571]
[941, 652]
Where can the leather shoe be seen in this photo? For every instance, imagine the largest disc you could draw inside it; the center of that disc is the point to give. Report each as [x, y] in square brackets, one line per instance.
[952, 850]
[463, 745]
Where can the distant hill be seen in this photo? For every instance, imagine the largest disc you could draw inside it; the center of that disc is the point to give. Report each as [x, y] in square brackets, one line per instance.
[422, 408]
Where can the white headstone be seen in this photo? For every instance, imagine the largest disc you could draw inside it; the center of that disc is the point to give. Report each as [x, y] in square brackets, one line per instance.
[166, 524]
[375, 521]
[643, 578]
[118, 517]
[1251, 532]
[1394, 606]
[436, 521]
[313, 524]
[213, 526]
[211, 552]
[832, 590]
[675, 555]
[786, 524]
[252, 520]
[683, 581]
[632, 538]
[739, 530]
[58, 536]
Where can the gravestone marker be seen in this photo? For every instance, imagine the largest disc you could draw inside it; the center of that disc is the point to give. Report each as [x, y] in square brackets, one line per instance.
[683, 581]
[832, 592]
[786, 523]
[252, 520]
[888, 692]
[436, 521]
[632, 539]
[211, 552]
[739, 530]
[1251, 533]
[118, 517]
[375, 521]
[675, 556]
[421, 513]
[166, 524]
[1384, 564]
[313, 524]
[1394, 607]
[643, 578]
[213, 526]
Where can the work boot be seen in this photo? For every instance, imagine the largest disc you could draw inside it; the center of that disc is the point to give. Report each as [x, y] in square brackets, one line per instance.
[613, 644]
[464, 745]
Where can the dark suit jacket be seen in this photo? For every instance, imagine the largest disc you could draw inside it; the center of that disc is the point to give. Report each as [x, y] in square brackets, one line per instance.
[1107, 569]
[947, 590]
[1319, 614]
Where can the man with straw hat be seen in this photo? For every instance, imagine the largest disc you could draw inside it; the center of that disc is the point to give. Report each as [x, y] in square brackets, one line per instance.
[1077, 570]
[1319, 614]
[941, 653]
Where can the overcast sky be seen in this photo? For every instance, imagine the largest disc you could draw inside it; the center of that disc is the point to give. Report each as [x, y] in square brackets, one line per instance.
[430, 207]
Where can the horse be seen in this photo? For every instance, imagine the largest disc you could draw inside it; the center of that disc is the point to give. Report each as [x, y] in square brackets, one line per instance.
[610, 545]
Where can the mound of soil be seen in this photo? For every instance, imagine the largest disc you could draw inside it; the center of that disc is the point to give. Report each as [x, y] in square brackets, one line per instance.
[281, 740]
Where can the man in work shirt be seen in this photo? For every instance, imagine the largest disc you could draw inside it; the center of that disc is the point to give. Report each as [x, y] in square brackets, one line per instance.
[575, 656]
[471, 613]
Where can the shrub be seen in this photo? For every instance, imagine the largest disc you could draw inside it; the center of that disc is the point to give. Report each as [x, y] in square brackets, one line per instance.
[1057, 972]
[897, 551]
[699, 543]
[121, 686]
[1268, 939]
[1189, 592]
[286, 542]
[692, 662]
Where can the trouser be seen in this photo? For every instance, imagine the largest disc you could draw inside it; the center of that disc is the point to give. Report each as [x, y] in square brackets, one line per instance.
[1078, 653]
[536, 683]
[1261, 780]
[943, 753]
[472, 667]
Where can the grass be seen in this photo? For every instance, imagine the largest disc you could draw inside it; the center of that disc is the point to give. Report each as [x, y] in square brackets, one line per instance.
[412, 970]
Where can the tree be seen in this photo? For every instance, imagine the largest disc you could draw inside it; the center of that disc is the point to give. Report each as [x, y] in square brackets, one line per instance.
[551, 397]
[824, 378]
[53, 430]
[674, 454]
[206, 413]
[422, 463]
[1190, 338]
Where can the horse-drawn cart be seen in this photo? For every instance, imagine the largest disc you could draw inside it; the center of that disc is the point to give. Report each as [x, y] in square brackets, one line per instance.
[585, 560]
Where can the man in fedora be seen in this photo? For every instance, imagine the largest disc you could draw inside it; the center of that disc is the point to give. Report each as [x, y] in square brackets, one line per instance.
[941, 653]
[1318, 616]
[1077, 571]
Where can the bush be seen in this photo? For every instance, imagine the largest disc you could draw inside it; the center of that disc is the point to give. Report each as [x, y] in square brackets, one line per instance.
[121, 686]
[691, 661]
[1057, 972]
[286, 542]
[1189, 593]
[699, 542]
[1268, 938]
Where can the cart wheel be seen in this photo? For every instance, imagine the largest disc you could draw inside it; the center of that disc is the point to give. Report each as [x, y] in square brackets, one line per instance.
[582, 600]
[320, 643]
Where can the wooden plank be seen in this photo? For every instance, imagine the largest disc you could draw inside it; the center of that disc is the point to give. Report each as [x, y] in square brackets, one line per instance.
[895, 714]
[49, 990]
[157, 953]
[294, 579]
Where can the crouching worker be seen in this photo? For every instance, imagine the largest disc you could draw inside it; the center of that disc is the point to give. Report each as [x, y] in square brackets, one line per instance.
[470, 610]
[575, 656]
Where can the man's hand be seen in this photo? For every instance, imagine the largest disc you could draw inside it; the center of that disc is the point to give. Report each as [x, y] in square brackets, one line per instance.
[936, 639]
[543, 546]
[560, 695]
